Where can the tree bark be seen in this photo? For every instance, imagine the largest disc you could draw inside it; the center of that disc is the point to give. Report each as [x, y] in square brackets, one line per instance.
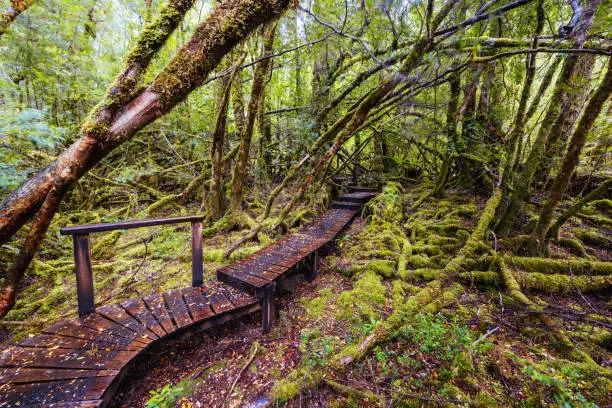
[35, 237]
[597, 193]
[572, 156]
[451, 135]
[15, 9]
[535, 155]
[89, 149]
[257, 89]
[218, 141]
[113, 122]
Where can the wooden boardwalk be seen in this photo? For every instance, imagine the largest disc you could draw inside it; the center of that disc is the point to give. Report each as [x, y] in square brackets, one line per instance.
[80, 362]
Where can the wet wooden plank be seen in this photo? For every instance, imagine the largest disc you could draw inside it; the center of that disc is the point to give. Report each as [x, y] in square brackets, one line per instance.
[53, 392]
[65, 358]
[198, 304]
[70, 328]
[240, 280]
[219, 302]
[157, 305]
[79, 404]
[238, 298]
[177, 308]
[117, 314]
[29, 375]
[138, 310]
[98, 322]
[50, 341]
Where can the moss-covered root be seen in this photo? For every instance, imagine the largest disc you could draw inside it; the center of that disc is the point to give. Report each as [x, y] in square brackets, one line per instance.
[560, 266]
[356, 393]
[476, 240]
[563, 342]
[290, 386]
[430, 299]
[105, 243]
[545, 283]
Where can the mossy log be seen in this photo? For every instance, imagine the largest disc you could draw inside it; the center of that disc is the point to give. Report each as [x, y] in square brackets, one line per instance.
[545, 283]
[560, 266]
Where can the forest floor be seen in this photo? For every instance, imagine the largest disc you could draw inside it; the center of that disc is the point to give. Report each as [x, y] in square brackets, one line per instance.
[481, 349]
[473, 345]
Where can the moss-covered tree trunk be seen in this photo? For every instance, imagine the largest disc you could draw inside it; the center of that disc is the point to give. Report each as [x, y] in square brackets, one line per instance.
[125, 110]
[97, 137]
[601, 191]
[216, 150]
[358, 116]
[521, 189]
[257, 90]
[576, 144]
[516, 134]
[451, 135]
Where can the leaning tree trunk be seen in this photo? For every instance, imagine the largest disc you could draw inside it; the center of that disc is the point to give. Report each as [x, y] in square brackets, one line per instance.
[15, 9]
[601, 191]
[570, 160]
[23, 203]
[125, 111]
[360, 114]
[570, 111]
[216, 150]
[257, 89]
[537, 150]
[520, 118]
[451, 135]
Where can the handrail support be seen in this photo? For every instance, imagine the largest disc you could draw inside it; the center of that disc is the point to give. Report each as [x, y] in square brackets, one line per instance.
[84, 276]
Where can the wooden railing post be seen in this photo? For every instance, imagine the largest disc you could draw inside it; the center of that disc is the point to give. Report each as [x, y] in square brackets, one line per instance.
[84, 277]
[197, 269]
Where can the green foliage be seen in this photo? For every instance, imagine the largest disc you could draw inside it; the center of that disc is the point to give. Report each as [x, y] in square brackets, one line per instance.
[316, 347]
[447, 339]
[165, 397]
[561, 386]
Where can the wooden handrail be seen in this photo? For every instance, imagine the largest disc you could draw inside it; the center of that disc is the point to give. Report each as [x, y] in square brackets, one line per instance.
[82, 252]
[111, 226]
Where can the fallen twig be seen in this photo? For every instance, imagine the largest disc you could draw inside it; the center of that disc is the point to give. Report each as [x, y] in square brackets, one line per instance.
[248, 363]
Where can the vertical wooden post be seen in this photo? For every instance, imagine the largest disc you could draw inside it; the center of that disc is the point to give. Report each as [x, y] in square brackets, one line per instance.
[267, 307]
[197, 269]
[313, 268]
[84, 277]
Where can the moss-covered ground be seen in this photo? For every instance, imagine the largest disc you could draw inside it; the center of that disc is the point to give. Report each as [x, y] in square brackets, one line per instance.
[420, 307]
[417, 306]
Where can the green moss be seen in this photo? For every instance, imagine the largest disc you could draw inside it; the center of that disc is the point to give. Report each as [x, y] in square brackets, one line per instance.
[544, 265]
[363, 299]
[421, 261]
[565, 284]
[316, 307]
[574, 246]
[382, 267]
[424, 274]
[289, 387]
[592, 237]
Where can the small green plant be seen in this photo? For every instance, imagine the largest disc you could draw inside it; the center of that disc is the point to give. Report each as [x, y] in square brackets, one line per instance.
[559, 387]
[165, 397]
[447, 340]
[316, 347]
[382, 357]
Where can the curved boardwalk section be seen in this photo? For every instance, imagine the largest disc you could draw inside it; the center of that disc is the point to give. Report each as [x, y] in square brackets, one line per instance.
[80, 362]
